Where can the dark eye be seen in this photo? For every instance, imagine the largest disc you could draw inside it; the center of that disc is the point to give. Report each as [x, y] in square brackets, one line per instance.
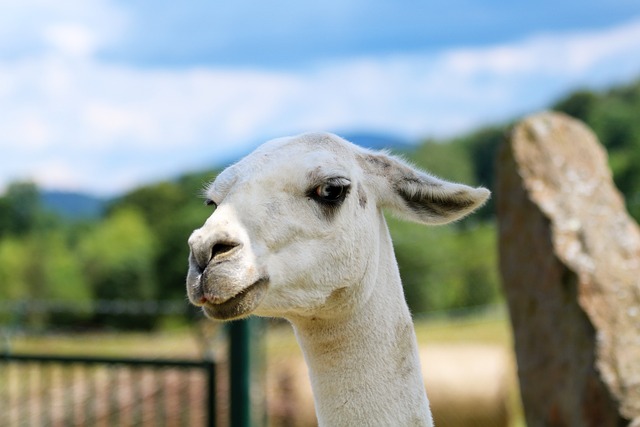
[211, 203]
[332, 191]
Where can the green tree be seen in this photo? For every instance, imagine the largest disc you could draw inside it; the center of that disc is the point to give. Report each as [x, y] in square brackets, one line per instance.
[41, 268]
[20, 209]
[118, 258]
[13, 265]
[447, 160]
[446, 267]
[14, 262]
[63, 273]
[579, 104]
[477, 256]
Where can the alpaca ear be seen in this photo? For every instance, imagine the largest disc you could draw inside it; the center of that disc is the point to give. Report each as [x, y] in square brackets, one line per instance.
[417, 196]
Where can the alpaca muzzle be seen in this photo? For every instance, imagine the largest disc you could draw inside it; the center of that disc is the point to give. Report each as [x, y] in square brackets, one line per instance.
[222, 279]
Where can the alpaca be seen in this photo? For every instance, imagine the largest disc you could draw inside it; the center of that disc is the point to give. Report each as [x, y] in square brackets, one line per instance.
[298, 232]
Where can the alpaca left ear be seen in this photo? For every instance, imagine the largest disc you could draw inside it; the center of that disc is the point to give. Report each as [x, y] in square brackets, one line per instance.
[420, 197]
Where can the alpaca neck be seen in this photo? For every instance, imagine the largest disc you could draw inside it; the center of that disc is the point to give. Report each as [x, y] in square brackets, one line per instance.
[364, 367]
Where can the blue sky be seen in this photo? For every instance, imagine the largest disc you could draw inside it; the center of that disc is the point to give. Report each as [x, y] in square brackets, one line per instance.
[104, 95]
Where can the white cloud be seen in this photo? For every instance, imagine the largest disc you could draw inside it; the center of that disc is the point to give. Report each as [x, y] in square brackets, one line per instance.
[570, 54]
[58, 173]
[71, 39]
[34, 132]
[29, 27]
[109, 126]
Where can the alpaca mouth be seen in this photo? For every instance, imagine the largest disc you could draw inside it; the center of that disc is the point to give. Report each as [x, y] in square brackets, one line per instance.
[240, 305]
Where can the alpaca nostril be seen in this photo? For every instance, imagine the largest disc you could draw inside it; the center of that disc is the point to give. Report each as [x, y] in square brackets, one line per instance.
[222, 249]
[195, 263]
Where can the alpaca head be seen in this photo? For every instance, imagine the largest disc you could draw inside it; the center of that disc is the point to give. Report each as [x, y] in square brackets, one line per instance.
[297, 224]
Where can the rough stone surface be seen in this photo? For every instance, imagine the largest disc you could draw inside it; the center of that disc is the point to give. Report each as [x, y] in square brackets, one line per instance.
[570, 262]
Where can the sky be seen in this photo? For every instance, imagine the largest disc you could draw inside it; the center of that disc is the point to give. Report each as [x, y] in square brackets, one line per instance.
[101, 96]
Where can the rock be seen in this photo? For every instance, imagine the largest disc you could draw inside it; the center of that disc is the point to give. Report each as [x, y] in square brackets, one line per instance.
[570, 263]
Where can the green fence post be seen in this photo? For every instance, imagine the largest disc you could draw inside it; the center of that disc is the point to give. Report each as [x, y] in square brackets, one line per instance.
[247, 373]
[239, 373]
[212, 412]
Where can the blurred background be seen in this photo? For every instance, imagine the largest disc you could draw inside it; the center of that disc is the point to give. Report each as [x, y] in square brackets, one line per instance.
[114, 115]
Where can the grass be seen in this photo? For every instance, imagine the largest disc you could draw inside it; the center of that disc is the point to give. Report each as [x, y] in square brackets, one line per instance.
[181, 344]
[488, 329]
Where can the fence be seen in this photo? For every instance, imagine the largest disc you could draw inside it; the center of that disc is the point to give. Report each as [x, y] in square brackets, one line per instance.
[38, 390]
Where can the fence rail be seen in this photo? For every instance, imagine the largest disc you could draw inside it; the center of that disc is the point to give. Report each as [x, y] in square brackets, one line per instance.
[47, 390]
[95, 307]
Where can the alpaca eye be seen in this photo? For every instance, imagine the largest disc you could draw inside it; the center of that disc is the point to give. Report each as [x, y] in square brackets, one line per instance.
[210, 202]
[333, 191]
[330, 193]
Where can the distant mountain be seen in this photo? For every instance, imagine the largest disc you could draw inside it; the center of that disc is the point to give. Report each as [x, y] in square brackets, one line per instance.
[378, 141]
[73, 205]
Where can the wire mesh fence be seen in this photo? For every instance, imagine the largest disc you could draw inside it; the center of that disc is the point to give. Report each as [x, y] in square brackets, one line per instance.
[74, 373]
[40, 390]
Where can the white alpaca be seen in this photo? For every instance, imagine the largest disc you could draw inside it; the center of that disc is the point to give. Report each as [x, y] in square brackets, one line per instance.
[299, 233]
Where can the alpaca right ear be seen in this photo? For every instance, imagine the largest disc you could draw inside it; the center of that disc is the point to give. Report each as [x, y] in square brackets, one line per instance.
[418, 196]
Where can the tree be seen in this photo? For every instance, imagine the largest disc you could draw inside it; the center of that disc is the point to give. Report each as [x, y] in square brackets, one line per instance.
[448, 160]
[579, 104]
[41, 268]
[119, 262]
[446, 267]
[13, 264]
[20, 209]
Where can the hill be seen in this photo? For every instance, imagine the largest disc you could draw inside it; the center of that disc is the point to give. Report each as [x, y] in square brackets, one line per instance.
[75, 206]
[378, 141]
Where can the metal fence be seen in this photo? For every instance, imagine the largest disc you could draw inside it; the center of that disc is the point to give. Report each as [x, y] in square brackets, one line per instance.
[39, 390]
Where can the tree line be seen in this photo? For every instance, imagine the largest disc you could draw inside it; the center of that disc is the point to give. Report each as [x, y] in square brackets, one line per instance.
[137, 250]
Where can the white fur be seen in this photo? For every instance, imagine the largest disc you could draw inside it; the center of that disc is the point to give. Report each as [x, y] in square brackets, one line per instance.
[331, 272]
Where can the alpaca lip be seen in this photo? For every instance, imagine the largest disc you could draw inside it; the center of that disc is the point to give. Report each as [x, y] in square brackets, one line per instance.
[240, 305]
